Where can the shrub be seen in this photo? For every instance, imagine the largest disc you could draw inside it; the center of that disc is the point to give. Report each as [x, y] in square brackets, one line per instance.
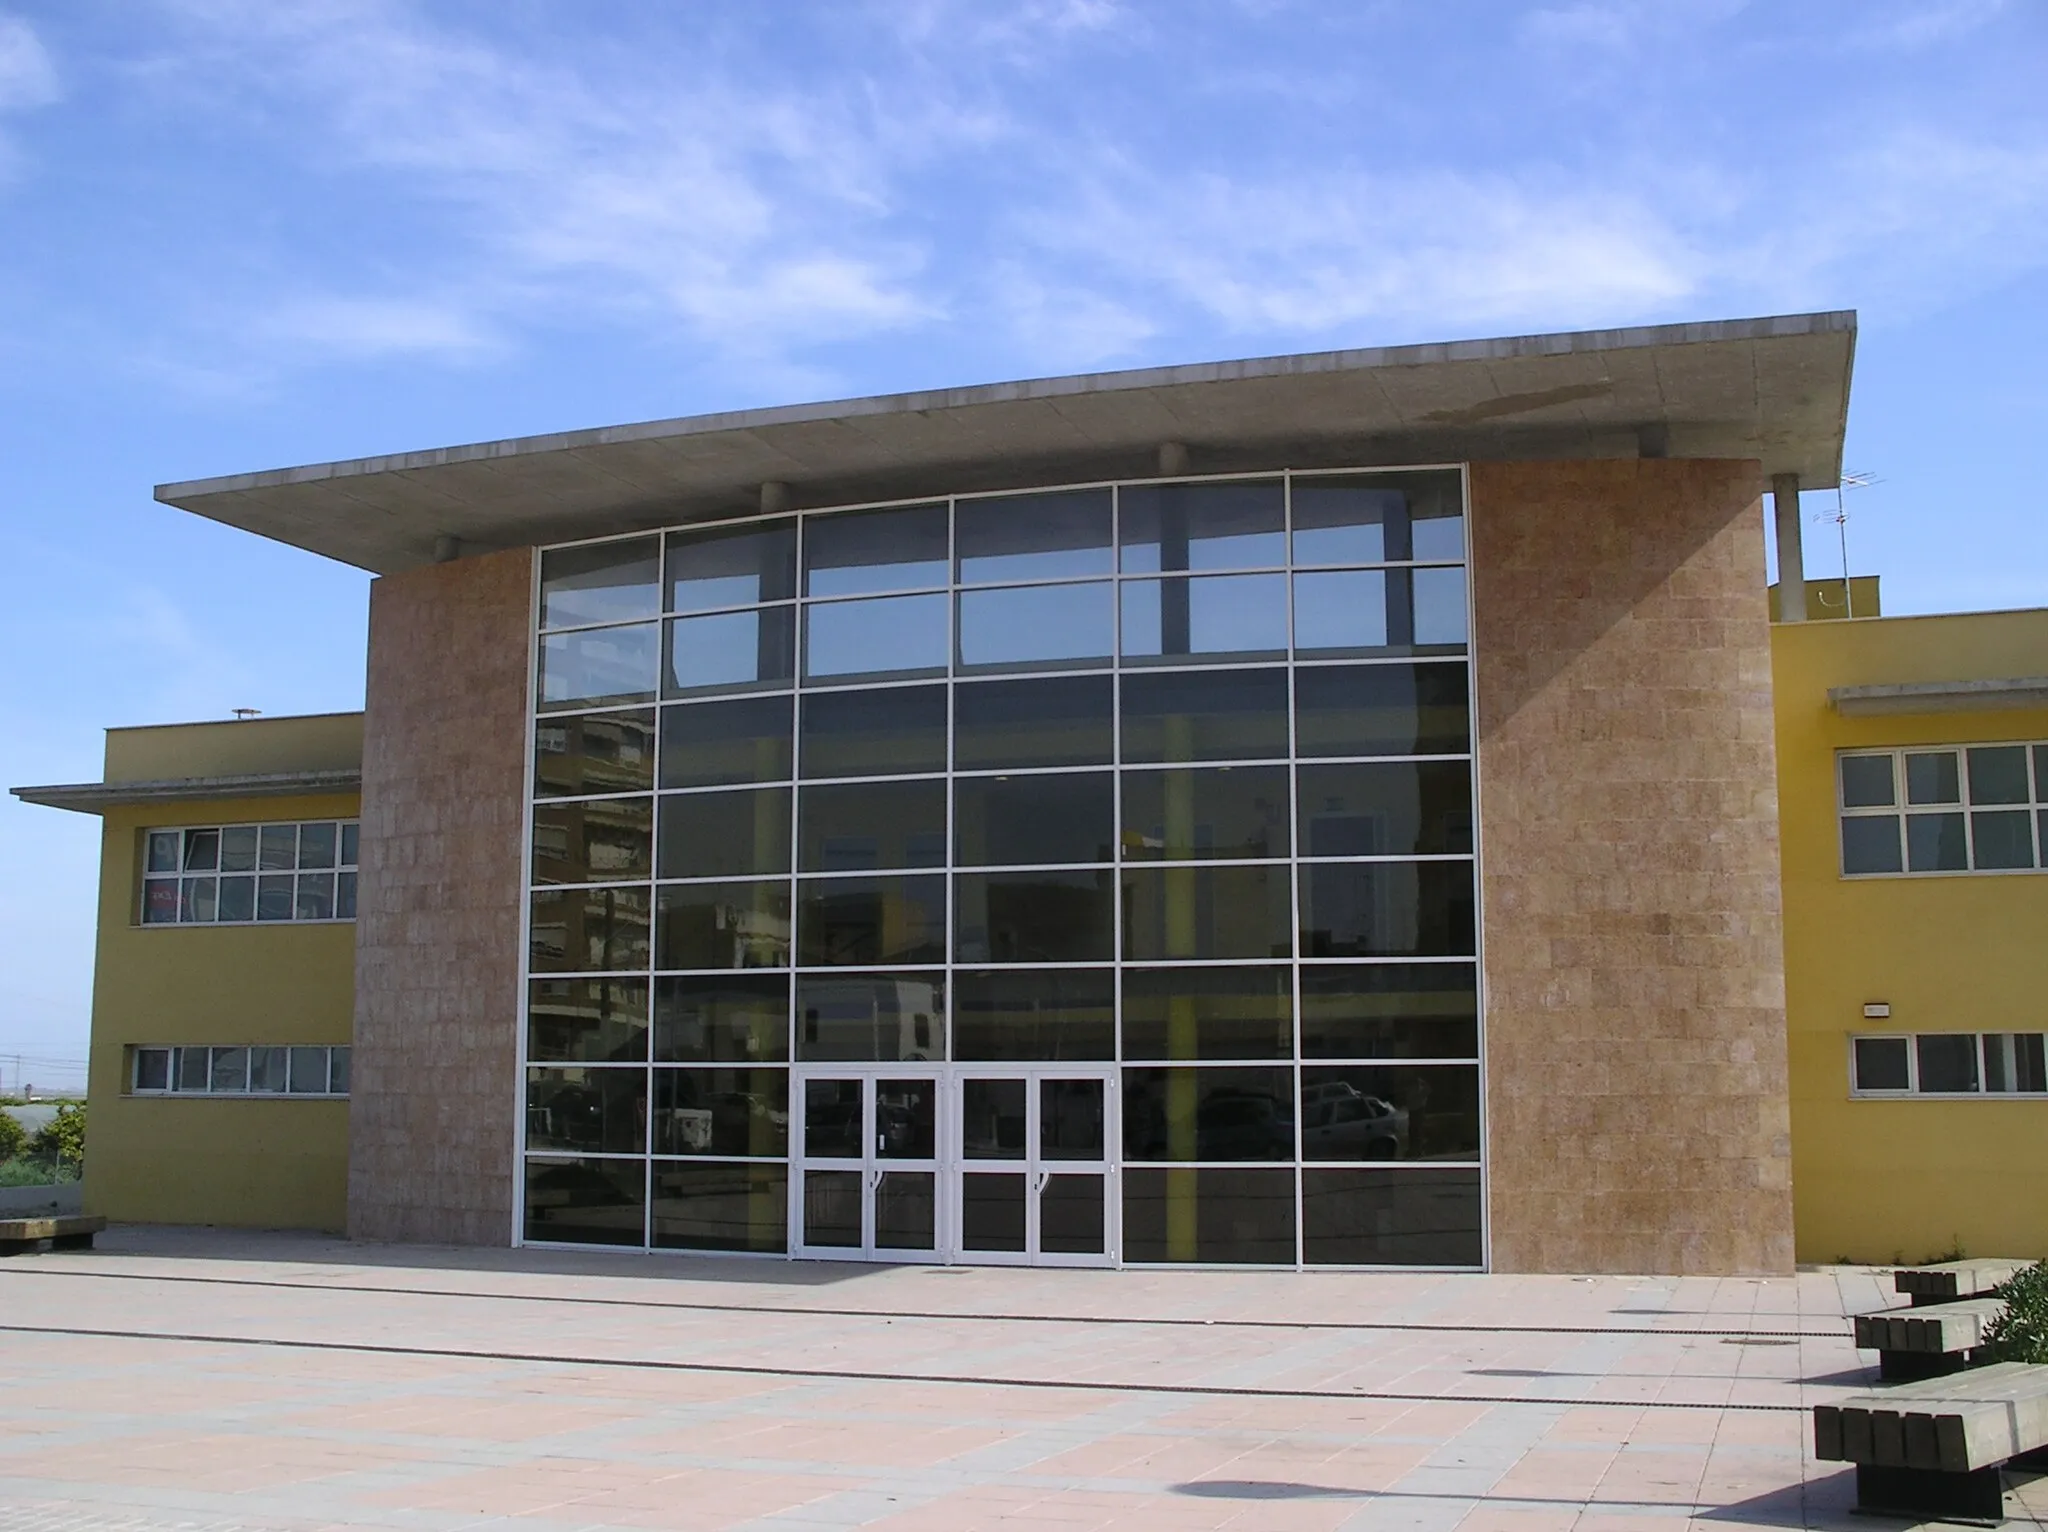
[13, 1137]
[2020, 1334]
[62, 1138]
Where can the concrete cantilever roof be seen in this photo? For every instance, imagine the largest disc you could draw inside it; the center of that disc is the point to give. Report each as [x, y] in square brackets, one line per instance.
[1774, 389]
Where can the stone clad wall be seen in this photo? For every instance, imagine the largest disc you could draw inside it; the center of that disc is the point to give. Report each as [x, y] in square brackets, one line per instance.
[1634, 964]
[432, 1114]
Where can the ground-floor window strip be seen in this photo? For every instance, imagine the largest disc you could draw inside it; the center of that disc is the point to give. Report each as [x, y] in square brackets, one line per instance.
[1949, 1064]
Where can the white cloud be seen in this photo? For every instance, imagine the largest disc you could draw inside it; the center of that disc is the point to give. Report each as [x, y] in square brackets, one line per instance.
[1922, 25]
[28, 78]
[361, 328]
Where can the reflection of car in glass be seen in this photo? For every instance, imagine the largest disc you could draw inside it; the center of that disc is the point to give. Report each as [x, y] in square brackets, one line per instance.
[1234, 1126]
[1341, 1122]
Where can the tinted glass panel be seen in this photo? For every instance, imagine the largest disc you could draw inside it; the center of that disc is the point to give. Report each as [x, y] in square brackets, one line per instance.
[599, 1111]
[721, 1207]
[1208, 1114]
[1387, 909]
[891, 635]
[593, 930]
[731, 649]
[1220, 715]
[1035, 917]
[1035, 1014]
[1377, 518]
[1867, 782]
[721, 1111]
[230, 1071]
[1340, 612]
[1033, 819]
[835, 1124]
[1382, 710]
[732, 567]
[586, 1202]
[594, 1021]
[1389, 808]
[600, 841]
[709, 743]
[600, 582]
[1438, 603]
[1037, 625]
[153, 1068]
[1242, 1217]
[1072, 1120]
[1201, 526]
[1417, 1112]
[1998, 774]
[874, 734]
[1060, 721]
[832, 1208]
[725, 835]
[1390, 1217]
[1206, 912]
[1933, 777]
[906, 1210]
[1870, 843]
[1881, 1063]
[1390, 1011]
[992, 1212]
[900, 1016]
[315, 897]
[721, 1018]
[596, 753]
[875, 551]
[1033, 537]
[1208, 1013]
[871, 920]
[316, 845]
[2003, 838]
[906, 1119]
[1935, 843]
[854, 826]
[993, 1125]
[1205, 813]
[1222, 616]
[1948, 1061]
[598, 666]
[722, 925]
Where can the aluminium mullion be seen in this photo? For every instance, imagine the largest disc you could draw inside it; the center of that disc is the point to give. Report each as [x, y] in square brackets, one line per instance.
[794, 1150]
[1294, 862]
[1473, 787]
[1112, 1128]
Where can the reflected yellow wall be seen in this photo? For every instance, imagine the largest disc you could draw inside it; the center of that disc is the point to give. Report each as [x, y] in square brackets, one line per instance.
[262, 1162]
[1878, 1180]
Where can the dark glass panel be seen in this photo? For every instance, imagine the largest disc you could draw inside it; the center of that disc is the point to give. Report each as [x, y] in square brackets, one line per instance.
[1187, 813]
[721, 1207]
[266, 1068]
[1438, 601]
[1003, 821]
[1226, 1217]
[604, 840]
[594, 753]
[316, 896]
[992, 1211]
[308, 1071]
[1882, 1063]
[1936, 843]
[586, 1202]
[278, 847]
[1390, 1011]
[729, 651]
[1221, 616]
[1071, 1215]
[596, 1111]
[1390, 1112]
[1867, 782]
[344, 894]
[743, 1112]
[1072, 1120]
[316, 845]
[587, 1021]
[885, 636]
[202, 849]
[834, 1122]
[871, 920]
[1208, 1114]
[238, 849]
[868, 551]
[1387, 808]
[153, 1068]
[1382, 710]
[885, 1017]
[238, 898]
[832, 1209]
[1035, 917]
[230, 1072]
[1029, 627]
[1373, 518]
[992, 1120]
[1170, 527]
[273, 898]
[1948, 1061]
[1347, 611]
[599, 666]
[2002, 839]
[1208, 1013]
[350, 836]
[855, 826]
[197, 900]
[1057, 721]
[722, 925]
[732, 566]
[906, 1210]
[721, 1018]
[600, 582]
[1390, 1217]
[1217, 715]
[1387, 909]
[724, 835]
[1870, 843]
[1998, 774]
[595, 930]
[891, 732]
[906, 1119]
[1207, 912]
[1045, 536]
[710, 744]
[1056, 1013]
[163, 846]
[160, 901]
[1933, 777]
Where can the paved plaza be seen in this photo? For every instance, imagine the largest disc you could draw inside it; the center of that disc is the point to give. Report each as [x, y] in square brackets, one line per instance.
[202, 1380]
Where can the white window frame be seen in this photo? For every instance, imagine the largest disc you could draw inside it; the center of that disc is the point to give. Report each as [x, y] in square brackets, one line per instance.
[177, 879]
[1900, 811]
[1912, 1088]
[132, 1085]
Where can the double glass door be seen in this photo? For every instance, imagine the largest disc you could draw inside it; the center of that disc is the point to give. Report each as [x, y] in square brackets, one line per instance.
[1008, 1166]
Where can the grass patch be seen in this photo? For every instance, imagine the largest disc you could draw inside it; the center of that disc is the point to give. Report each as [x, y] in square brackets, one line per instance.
[25, 1172]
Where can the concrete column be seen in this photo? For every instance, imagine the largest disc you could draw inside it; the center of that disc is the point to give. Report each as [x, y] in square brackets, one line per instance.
[1791, 556]
[774, 496]
[1173, 459]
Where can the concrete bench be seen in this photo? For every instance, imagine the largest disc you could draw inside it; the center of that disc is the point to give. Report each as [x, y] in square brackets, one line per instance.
[1934, 1449]
[31, 1236]
[1926, 1340]
[1955, 1279]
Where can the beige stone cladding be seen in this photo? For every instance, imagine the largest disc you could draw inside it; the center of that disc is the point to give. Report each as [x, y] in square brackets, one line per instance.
[1634, 962]
[438, 921]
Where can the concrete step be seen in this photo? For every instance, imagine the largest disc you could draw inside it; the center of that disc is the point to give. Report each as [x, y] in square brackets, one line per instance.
[1956, 1279]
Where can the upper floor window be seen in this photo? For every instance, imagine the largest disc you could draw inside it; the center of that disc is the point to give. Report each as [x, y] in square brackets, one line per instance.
[1969, 808]
[1949, 1064]
[235, 874]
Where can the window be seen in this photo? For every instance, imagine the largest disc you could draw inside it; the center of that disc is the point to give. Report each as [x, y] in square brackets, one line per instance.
[1967, 808]
[239, 1070]
[1949, 1064]
[247, 874]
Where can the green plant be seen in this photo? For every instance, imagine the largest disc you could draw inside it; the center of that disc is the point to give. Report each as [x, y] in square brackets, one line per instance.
[13, 1137]
[35, 1173]
[2020, 1334]
[62, 1138]
[1954, 1252]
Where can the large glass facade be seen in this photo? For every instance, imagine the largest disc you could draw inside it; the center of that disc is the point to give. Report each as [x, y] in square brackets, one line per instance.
[1078, 875]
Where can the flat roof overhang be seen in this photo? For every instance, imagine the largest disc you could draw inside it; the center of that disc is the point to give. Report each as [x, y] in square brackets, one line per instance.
[1773, 389]
[98, 797]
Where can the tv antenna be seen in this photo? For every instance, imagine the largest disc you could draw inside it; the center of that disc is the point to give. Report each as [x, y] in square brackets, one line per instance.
[244, 714]
[1840, 517]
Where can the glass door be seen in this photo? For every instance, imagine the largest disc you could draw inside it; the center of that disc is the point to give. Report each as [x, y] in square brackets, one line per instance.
[866, 1186]
[1031, 1182]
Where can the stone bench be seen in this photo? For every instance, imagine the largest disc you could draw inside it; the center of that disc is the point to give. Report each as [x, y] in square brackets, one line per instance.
[1926, 1340]
[31, 1236]
[1955, 1279]
[1934, 1448]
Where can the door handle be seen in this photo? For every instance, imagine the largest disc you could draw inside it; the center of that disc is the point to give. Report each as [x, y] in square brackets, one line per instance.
[874, 1177]
[1039, 1185]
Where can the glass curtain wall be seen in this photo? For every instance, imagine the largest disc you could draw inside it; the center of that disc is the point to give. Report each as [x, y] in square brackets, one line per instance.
[1174, 777]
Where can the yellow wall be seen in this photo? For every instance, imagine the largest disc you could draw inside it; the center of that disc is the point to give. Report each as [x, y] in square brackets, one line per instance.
[1876, 1180]
[264, 1162]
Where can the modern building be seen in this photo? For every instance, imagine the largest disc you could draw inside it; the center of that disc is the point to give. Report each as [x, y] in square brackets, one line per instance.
[1321, 810]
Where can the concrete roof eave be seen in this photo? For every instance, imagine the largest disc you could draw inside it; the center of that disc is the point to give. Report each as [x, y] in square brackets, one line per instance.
[98, 797]
[1772, 389]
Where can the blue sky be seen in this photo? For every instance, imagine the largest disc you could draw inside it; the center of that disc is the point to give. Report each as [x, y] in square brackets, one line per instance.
[241, 234]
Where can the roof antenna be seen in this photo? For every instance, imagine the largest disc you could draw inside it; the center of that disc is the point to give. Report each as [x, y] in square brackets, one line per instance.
[244, 714]
[1840, 518]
